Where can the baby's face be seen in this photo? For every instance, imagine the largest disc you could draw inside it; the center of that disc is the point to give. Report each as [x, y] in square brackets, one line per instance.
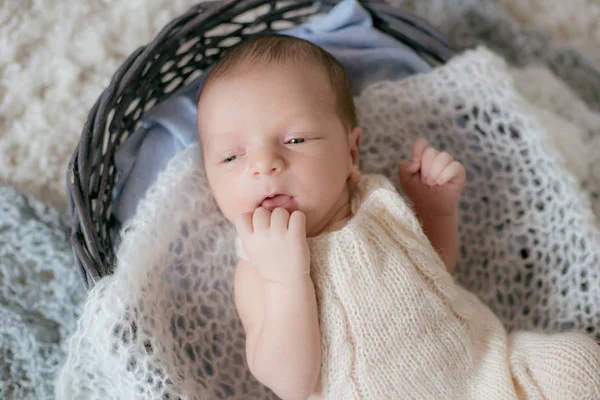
[271, 137]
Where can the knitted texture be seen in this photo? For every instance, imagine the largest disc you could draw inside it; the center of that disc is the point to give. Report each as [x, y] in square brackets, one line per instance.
[530, 242]
[40, 295]
[390, 314]
[165, 322]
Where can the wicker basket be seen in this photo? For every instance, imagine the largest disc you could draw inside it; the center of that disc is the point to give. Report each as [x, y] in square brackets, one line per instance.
[179, 54]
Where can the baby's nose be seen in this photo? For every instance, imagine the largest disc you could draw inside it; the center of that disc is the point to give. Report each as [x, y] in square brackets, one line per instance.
[267, 164]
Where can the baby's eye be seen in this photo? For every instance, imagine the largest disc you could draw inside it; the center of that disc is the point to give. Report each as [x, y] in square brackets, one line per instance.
[229, 159]
[296, 141]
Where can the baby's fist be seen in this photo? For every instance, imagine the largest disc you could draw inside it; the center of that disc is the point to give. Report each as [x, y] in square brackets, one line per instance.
[432, 180]
[275, 242]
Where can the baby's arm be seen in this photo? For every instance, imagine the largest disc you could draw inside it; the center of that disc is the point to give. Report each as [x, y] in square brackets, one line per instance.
[279, 315]
[433, 182]
[442, 232]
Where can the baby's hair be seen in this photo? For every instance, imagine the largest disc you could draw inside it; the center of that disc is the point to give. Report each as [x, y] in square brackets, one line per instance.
[277, 48]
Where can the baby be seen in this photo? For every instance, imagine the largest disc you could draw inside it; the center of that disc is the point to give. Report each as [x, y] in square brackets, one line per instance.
[343, 290]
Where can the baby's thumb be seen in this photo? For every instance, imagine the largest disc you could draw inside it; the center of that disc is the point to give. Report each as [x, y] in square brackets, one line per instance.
[405, 170]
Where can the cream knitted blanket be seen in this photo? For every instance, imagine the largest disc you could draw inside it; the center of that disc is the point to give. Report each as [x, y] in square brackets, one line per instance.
[165, 322]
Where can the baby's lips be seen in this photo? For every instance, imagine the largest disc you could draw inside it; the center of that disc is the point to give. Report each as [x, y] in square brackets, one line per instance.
[280, 200]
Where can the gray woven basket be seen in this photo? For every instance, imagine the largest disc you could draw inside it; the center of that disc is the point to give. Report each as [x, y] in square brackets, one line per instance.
[179, 53]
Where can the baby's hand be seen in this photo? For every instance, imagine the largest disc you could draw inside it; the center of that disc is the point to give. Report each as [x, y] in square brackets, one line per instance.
[275, 243]
[432, 180]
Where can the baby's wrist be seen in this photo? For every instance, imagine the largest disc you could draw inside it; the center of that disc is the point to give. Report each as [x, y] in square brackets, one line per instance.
[290, 282]
[431, 215]
[285, 275]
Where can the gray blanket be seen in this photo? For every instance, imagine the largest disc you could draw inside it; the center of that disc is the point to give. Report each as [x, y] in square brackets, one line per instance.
[40, 295]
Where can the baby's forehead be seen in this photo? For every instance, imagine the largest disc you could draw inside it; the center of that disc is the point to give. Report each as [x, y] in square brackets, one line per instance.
[289, 70]
[256, 79]
[246, 88]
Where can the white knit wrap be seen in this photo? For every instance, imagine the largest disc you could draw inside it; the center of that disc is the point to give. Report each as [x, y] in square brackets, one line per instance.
[165, 322]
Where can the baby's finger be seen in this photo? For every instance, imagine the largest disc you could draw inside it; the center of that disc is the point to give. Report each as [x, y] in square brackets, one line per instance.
[453, 172]
[428, 156]
[407, 178]
[417, 154]
[405, 170]
[261, 219]
[243, 224]
[439, 164]
[279, 219]
[297, 224]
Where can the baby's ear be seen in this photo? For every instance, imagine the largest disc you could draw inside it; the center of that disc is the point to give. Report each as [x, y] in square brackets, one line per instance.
[354, 141]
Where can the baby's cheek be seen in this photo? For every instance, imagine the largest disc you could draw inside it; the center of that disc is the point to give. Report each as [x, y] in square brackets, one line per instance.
[226, 204]
[237, 206]
[227, 196]
[312, 220]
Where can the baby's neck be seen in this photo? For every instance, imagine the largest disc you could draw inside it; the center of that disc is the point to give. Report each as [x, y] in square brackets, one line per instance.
[339, 221]
[340, 216]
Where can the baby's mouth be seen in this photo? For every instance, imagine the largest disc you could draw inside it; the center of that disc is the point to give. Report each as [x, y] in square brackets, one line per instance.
[279, 200]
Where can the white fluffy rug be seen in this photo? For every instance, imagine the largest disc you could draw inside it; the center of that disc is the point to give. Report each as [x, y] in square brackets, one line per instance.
[56, 56]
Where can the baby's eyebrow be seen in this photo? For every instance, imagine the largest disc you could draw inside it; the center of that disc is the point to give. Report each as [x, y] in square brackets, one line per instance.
[222, 137]
[209, 139]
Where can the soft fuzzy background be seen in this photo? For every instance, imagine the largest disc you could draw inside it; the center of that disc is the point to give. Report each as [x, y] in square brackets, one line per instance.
[56, 56]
